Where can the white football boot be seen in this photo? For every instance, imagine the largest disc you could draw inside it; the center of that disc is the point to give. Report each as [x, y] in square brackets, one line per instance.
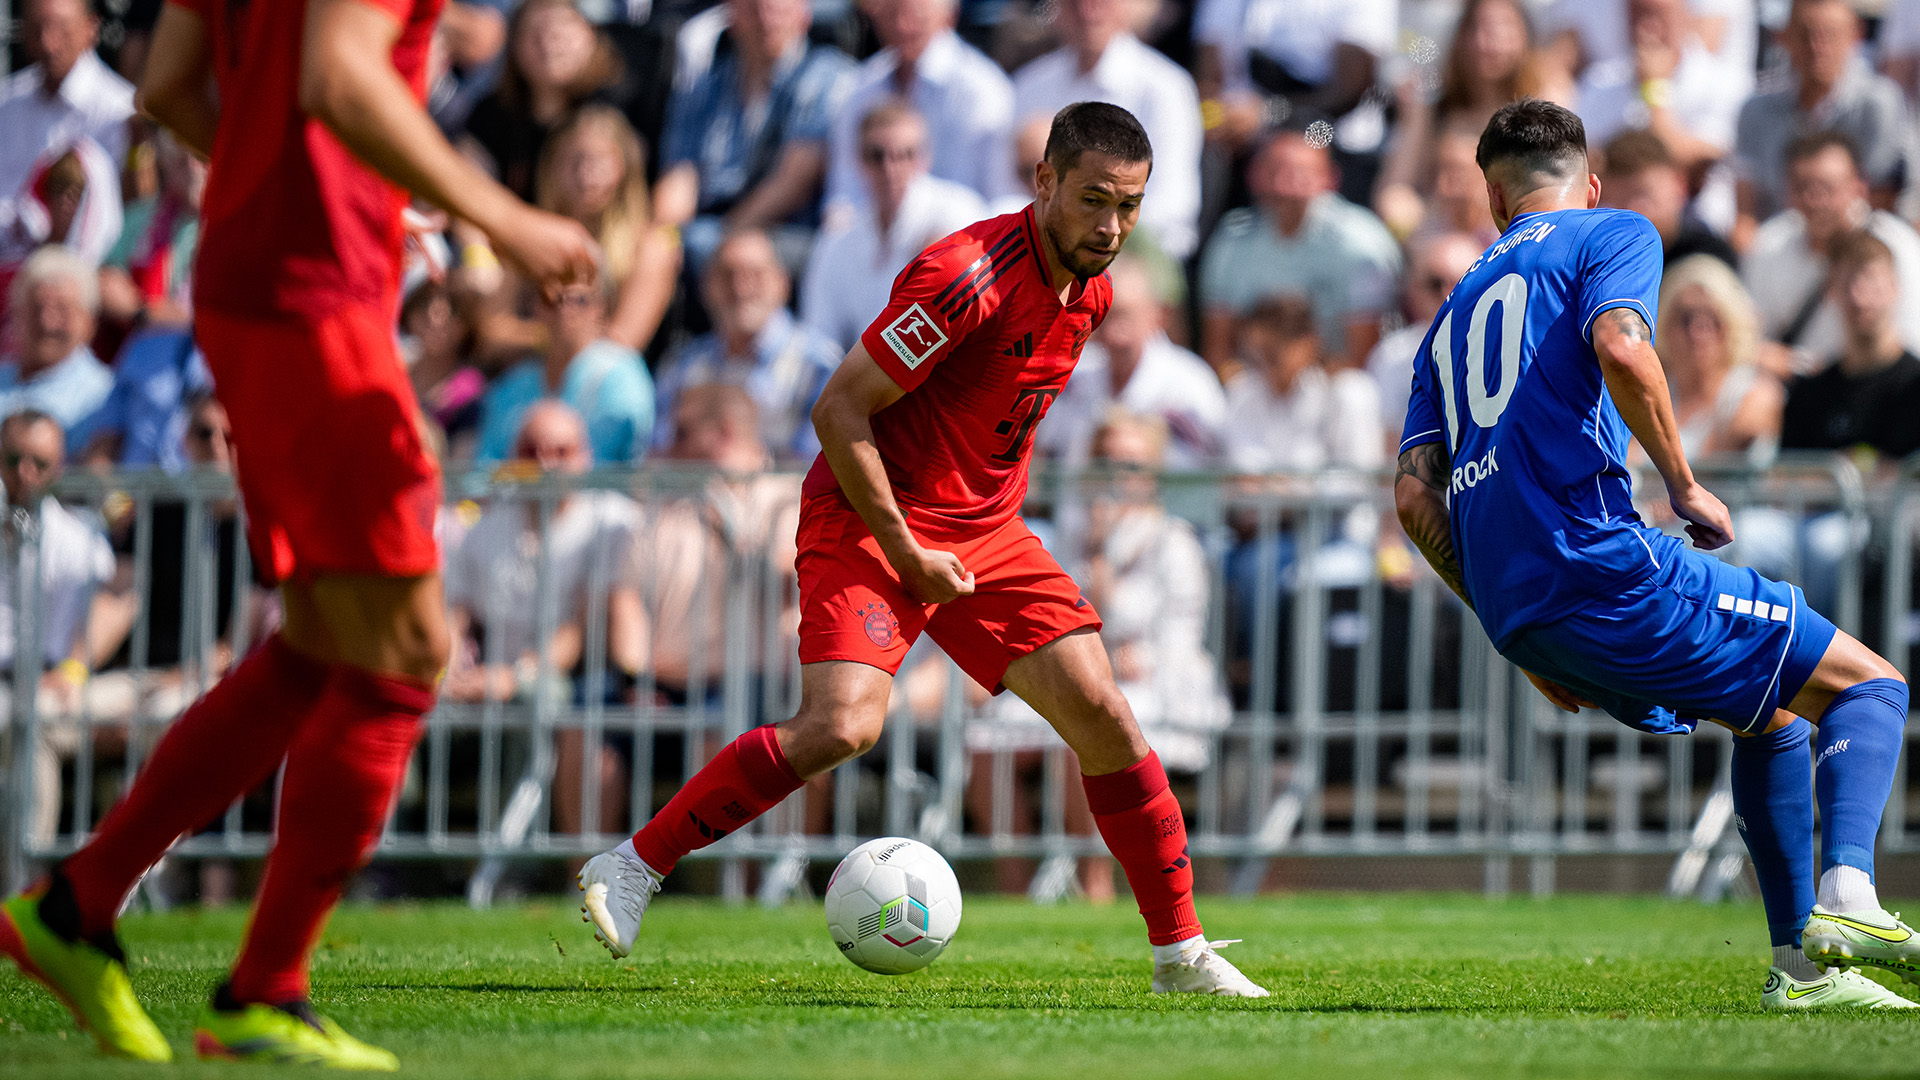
[1874, 938]
[1837, 989]
[618, 888]
[1205, 971]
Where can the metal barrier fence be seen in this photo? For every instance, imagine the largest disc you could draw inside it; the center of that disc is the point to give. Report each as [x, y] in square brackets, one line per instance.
[1314, 691]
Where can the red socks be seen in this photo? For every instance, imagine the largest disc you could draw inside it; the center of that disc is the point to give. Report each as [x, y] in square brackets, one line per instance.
[342, 772]
[743, 781]
[226, 745]
[1141, 822]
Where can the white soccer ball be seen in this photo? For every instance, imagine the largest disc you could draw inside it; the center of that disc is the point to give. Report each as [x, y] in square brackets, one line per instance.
[893, 905]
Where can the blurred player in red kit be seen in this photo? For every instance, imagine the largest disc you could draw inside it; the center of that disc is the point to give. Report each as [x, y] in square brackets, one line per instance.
[911, 524]
[310, 111]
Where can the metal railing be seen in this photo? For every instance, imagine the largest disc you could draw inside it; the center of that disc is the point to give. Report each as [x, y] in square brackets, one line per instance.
[1360, 710]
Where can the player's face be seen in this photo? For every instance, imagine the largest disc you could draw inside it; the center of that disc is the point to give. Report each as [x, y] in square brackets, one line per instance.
[1091, 209]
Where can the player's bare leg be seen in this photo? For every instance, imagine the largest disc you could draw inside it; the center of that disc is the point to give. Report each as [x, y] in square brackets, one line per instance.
[384, 641]
[843, 708]
[1070, 682]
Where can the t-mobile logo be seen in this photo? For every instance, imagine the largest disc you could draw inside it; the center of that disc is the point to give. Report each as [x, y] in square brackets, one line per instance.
[1830, 751]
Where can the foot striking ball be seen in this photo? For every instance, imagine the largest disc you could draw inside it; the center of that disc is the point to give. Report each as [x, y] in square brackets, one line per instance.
[893, 905]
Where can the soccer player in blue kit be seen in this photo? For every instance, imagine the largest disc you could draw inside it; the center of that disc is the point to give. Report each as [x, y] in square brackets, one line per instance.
[1513, 484]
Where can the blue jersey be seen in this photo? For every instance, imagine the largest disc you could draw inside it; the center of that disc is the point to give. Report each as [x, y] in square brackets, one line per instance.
[1507, 378]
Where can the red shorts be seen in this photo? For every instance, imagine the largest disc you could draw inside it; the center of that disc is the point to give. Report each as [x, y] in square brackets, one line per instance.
[328, 446]
[853, 607]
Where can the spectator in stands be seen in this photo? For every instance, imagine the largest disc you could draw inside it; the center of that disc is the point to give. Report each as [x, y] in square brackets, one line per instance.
[438, 339]
[756, 344]
[1786, 269]
[492, 575]
[473, 35]
[1639, 173]
[1709, 341]
[1280, 59]
[71, 198]
[1290, 410]
[1669, 83]
[1489, 63]
[1457, 201]
[1147, 573]
[1832, 89]
[76, 564]
[965, 97]
[1870, 395]
[602, 382]
[1299, 238]
[1899, 43]
[1130, 364]
[556, 61]
[746, 143]
[53, 301]
[66, 94]
[143, 421]
[151, 264]
[1576, 34]
[855, 259]
[1435, 264]
[594, 171]
[1101, 60]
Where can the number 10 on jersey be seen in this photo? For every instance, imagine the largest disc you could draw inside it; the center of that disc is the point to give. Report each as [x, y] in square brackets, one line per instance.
[1510, 293]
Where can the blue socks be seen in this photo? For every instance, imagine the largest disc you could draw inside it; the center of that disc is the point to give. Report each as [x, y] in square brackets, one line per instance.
[1860, 739]
[1773, 808]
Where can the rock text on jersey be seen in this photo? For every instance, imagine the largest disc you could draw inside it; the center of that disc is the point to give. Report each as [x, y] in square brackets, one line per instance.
[1468, 475]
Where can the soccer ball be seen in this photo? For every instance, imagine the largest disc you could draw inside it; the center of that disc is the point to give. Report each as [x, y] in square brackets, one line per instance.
[893, 905]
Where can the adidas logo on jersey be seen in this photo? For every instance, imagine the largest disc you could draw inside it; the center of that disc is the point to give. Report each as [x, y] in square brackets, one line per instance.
[1759, 609]
[1022, 348]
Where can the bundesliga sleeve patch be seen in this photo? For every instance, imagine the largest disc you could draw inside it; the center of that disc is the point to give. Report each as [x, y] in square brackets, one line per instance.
[913, 337]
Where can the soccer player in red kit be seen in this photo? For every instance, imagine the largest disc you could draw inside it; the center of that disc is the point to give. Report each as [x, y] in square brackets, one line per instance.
[311, 114]
[911, 524]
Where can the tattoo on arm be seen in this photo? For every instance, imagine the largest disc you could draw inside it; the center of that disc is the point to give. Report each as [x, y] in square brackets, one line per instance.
[1425, 516]
[1625, 322]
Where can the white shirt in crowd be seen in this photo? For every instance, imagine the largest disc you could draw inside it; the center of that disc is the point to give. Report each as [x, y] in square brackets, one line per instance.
[493, 573]
[1153, 88]
[1327, 421]
[1300, 34]
[851, 269]
[1390, 365]
[968, 105]
[1706, 92]
[1169, 382]
[1602, 28]
[93, 101]
[1782, 274]
[75, 560]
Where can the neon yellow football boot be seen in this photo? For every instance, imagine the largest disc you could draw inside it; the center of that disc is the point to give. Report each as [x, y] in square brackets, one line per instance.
[289, 1034]
[1875, 938]
[89, 978]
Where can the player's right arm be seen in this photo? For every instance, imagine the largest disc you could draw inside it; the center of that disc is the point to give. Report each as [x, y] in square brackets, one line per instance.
[843, 418]
[348, 82]
[1638, 385]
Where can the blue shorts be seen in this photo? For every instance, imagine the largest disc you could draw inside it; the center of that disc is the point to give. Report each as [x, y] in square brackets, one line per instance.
[1698, 640]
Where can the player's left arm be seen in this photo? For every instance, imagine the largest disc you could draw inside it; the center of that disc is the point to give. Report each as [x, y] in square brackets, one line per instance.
[1420, 498]
[1638, 384]
[176, 88]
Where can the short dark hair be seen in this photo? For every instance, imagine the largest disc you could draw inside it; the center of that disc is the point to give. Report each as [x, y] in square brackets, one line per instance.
[1815, 143]
[1537, 136]
[1632, 153]
[1850, 251]
[1099, 127]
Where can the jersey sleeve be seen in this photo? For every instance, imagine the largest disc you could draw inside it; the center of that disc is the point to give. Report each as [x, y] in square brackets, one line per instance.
[931, 310]
[1619, 267]
[1423, 424]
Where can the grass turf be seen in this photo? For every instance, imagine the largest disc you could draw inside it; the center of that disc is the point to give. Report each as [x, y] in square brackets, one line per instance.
[1364, 985]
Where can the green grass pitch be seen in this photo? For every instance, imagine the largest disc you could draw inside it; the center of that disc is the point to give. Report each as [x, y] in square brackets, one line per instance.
[1364, 985]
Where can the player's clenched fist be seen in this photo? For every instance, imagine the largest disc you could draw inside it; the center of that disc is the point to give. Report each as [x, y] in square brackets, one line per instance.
[1708, 521]
[550, 250]
[934, 576]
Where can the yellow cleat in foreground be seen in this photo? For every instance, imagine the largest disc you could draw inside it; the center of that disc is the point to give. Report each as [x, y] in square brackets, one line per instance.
[291, 1034]
[90, 980]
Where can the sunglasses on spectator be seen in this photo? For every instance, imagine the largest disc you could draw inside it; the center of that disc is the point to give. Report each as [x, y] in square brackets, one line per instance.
[206, 432]
[13, 461]
[881, 155]
[534, 452]
[1698, 319]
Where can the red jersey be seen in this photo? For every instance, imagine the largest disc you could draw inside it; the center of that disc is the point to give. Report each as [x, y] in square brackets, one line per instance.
[293, 223]
[977, 337]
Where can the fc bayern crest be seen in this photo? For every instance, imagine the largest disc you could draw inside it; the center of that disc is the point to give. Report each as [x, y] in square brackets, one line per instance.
[879, 622]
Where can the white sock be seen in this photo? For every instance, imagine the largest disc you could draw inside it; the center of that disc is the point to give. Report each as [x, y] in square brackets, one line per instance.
[1846, 889]
[1179, 950]
[626, 849]
[1790, 959]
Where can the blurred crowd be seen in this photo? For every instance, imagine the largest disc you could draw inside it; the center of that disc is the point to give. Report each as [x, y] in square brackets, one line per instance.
[758, 171]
